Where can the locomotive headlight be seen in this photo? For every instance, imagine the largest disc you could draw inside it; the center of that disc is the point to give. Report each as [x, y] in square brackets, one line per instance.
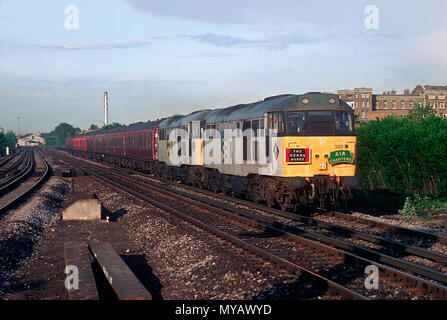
[305, 101]
[332, 100]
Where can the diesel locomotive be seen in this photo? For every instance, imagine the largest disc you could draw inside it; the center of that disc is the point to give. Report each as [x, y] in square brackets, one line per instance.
[287, 151]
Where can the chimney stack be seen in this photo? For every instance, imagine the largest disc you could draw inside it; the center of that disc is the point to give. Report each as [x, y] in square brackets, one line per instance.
[106, 109]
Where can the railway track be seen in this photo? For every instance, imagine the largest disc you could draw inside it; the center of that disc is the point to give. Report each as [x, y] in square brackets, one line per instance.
[34, 170]
[379, 249]
[286, 245]
[6, 168]
[23, 168]
[397, 242]
[7, 159]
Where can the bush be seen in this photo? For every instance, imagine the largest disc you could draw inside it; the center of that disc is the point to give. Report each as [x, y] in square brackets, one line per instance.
[7, 140]
[404, 155]
[419, 206]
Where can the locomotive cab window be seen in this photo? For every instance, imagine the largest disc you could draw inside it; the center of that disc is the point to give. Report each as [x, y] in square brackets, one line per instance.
[343, 122]
[295, 122]
[322, 122]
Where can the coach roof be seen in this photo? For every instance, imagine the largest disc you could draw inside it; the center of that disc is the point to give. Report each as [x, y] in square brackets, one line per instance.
[182, 121]
[141, 125]
[283, 102]
[130, 127]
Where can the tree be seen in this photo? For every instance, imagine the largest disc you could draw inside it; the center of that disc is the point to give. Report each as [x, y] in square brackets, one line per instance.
[56, 138]
[93, 127]
[64, 130]
[113, 125]
[2, 144]
[7, 140]
[420, 112]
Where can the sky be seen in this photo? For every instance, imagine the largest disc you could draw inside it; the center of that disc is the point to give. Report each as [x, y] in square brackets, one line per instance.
[157, 58]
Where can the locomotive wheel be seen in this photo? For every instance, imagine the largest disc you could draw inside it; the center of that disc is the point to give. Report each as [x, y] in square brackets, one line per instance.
[270, 199]
[285, 197]
[256, 192]
[287, 204]
[214, 182]
[216, 186]
[256, 198]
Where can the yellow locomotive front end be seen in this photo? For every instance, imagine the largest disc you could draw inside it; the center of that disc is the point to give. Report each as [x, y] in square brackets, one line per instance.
[316, 153]
[312, 156]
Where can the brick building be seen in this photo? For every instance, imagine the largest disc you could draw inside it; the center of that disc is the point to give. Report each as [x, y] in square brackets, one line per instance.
[369, 106]
[360, 99]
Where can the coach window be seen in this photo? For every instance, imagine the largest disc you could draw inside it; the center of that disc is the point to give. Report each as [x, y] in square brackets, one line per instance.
[278, 122]
[238, 127]
[246, 126]
[255, 127]
[261, 127]
[275, 121]
[270, 121]
[281, 122]
[196, 130]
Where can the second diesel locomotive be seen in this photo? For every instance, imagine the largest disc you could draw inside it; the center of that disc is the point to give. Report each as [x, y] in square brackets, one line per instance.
[286, 151]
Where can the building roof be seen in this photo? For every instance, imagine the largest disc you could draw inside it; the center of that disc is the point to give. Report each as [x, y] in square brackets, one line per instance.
[30, 136]
[27, 135]
[428, 87]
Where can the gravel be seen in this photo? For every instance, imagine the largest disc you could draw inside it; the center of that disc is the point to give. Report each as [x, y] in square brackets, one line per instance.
[22, 227]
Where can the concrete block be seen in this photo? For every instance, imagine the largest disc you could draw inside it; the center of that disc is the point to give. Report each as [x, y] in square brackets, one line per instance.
[82, 206]
[64, 172]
